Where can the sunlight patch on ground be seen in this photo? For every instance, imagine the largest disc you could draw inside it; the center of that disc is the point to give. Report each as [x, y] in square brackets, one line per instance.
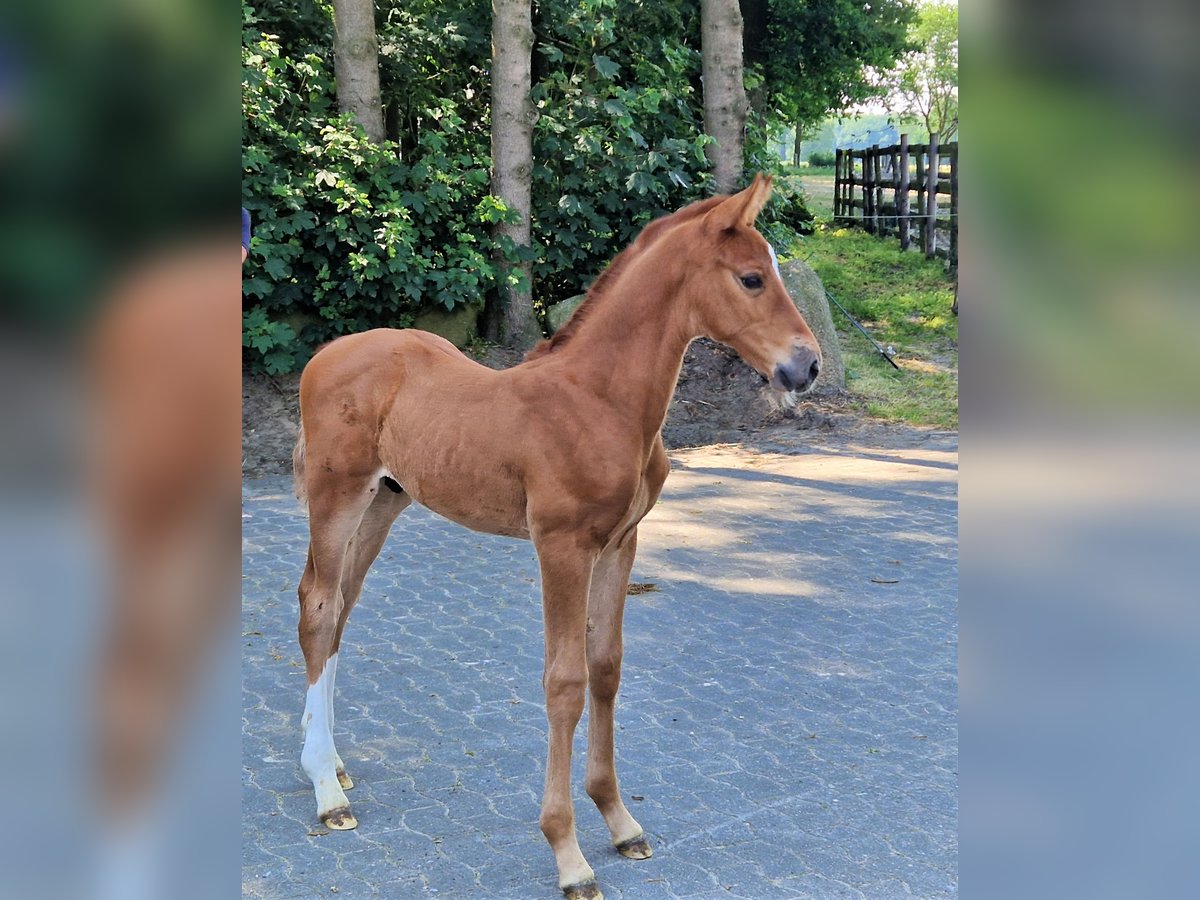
[722, 505]
[926, 366]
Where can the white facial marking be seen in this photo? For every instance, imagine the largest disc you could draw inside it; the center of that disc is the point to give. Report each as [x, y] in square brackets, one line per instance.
[774, 259]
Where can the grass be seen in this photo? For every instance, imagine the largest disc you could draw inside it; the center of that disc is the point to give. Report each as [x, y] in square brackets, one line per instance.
[817, 185]
[902, 300]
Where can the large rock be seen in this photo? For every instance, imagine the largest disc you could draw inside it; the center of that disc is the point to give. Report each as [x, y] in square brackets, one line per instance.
[459, 326]
[809, 296]
[557, 315]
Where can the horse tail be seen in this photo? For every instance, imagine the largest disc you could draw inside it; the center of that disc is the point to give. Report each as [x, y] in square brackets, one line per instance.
[298, 483]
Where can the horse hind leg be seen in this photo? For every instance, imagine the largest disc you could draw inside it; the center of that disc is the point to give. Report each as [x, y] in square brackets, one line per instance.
[606, 609]
[337, 506]
[363, 550]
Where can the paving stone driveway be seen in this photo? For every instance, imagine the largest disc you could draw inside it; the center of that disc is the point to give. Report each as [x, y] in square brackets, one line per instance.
[787, 718]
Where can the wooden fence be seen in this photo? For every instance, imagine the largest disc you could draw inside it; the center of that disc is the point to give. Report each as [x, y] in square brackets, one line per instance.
[903, 169]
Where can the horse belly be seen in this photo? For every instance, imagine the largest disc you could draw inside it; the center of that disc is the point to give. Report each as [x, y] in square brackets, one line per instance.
[494, 505]
[442, 441]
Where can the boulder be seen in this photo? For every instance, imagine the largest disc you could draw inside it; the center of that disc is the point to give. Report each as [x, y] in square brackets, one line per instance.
[809, 296]
[557, 315]
[459, 325]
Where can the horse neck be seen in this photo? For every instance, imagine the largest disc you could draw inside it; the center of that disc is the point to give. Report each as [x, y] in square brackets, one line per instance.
[630, 347]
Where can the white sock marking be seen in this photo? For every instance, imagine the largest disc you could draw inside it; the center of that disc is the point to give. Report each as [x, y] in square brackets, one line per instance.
[319, 758]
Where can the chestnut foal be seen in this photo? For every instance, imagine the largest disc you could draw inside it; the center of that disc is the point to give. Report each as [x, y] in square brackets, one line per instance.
[563, 449]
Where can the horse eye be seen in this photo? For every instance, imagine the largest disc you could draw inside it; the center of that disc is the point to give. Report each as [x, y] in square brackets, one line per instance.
[751, 282]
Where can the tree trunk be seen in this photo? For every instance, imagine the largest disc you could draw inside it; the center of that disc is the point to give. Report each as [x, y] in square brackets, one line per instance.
[513, 116]
[796, 159]
[725, 104]
[356, 65]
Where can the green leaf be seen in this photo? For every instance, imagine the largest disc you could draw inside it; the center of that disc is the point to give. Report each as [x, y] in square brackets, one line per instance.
[605, 66]
[276, 268]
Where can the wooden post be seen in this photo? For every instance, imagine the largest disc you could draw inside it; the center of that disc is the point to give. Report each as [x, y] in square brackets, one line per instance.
[869, 188]
[931, 173]
[954, 213]
[880, 219]
[847, 184]
[919, 214]
[868, 192]
[902, 194]
[837, 184]
[848, 189]
[860, 179]
[894, 223]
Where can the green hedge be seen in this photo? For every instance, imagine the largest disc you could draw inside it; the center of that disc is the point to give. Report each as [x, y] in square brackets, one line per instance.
[349, 235]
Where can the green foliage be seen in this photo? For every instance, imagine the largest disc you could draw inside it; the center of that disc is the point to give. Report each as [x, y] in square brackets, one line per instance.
[816, 56]
[820, 158]
[347, 235]
[619, 138]
[272, 341]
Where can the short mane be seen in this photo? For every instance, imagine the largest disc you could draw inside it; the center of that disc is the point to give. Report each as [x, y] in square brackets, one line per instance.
[620, 262]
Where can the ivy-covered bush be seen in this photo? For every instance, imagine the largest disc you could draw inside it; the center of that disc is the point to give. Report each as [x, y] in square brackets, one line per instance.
[619, 139]
[349, 235]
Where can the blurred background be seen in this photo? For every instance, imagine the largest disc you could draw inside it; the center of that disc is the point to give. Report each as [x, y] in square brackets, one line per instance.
[120, 353]
[1080, 499]
[119, 459]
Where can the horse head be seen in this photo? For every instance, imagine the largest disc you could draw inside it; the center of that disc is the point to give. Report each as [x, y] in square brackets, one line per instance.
[736, 294]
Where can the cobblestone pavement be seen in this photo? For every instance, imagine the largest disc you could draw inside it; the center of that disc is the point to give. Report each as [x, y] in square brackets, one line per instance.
[786, 724]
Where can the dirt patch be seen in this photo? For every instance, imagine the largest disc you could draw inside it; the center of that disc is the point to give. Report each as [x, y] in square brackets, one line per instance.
[719, 399]
[270, 420]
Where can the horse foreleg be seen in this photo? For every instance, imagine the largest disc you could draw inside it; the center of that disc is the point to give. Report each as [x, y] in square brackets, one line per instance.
[606, 609]
[335, 512]
[566, 572]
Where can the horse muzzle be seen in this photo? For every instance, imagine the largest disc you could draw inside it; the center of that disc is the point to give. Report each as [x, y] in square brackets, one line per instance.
[799, 372]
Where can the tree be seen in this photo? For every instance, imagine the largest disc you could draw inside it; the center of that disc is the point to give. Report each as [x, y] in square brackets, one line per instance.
[924, 85]
[356, 64]
[354, 235]
[725, 103]
[813, 57]
[513, 117]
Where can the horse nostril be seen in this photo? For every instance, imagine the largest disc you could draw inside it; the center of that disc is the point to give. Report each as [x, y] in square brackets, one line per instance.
[814, 370]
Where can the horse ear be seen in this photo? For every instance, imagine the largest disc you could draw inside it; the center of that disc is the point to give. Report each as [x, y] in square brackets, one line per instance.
[742, 208]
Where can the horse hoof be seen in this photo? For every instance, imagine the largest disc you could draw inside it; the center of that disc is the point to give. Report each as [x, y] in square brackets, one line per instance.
[339, 819]
[635, 848]
[585, 890]
[345, 781]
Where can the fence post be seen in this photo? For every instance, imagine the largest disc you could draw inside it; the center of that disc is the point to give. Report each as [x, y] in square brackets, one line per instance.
[894, 162]
[852, 181]
[931, 174]
[837, 184]
[881, 219]
[869, 189]
[954, 209]
[919, 215]
[902, 193]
